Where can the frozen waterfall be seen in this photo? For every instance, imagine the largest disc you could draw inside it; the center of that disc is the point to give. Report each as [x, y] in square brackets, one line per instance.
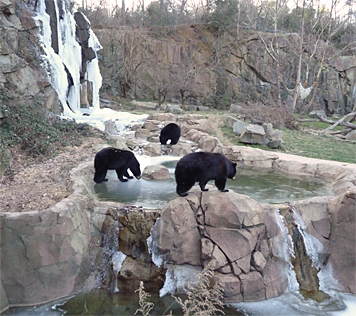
[63, 54]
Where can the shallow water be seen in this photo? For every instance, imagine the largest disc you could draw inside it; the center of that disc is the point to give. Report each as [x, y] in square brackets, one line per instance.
[262, 185]
[99, 302]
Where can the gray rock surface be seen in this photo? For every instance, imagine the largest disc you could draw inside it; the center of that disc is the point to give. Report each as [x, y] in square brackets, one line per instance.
[155, 172]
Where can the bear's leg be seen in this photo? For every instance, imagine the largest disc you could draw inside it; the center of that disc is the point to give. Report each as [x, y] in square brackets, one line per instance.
[202, 185]
[220, 184]
[126, 174]
[100, 174]
[120, 174]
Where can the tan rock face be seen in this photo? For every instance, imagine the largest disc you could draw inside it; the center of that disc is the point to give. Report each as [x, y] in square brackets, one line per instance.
[343, 240]
[229, 229]
[38, 249]
[242, 240]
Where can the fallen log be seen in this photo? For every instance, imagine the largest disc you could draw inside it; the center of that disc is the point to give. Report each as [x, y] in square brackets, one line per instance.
[339, 122]
[346, 130]
[350, 134]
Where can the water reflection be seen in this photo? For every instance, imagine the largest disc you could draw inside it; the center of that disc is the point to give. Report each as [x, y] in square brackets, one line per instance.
[264, 186]
[102, 303]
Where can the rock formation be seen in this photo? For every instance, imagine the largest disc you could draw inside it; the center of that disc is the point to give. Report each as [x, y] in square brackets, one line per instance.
[239, 235]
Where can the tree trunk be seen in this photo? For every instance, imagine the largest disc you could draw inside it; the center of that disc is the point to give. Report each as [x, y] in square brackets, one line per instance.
[123, 12]
[299, 71]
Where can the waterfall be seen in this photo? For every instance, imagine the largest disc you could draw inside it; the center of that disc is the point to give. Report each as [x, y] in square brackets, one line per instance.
[63, 54]
[287, 251]
[109, 259]
[305, 255]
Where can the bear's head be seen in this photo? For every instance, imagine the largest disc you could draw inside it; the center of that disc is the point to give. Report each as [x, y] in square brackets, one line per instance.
[135, 169]
[232, 170]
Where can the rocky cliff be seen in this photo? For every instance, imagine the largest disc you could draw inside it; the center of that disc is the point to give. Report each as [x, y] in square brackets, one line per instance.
[192, 62]
[22, 72]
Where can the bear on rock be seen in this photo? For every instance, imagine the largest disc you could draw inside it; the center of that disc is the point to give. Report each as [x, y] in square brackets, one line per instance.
[111, 158]
[202, 167]
[170, 134]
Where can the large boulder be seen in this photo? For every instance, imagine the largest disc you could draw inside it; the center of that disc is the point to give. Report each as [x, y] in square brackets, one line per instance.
[234, 232]
[247, 247]
[155, 172]
[253, 134]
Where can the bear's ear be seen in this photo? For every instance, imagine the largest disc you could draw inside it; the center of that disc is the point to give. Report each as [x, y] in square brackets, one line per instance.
[234, 164]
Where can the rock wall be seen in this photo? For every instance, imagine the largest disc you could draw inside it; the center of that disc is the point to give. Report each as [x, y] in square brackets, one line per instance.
[45, 255]
[21, 69]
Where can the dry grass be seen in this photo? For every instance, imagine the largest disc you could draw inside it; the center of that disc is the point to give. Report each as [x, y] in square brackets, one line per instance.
[203, 299]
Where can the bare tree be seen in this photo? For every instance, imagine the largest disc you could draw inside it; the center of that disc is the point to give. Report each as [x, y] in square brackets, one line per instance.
[300, 56]
[133, 54]
[325, 28]
[271, 44]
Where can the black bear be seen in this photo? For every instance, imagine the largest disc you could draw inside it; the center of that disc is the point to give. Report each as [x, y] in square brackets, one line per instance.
[202, 167]
[111, 158]
[170, 132]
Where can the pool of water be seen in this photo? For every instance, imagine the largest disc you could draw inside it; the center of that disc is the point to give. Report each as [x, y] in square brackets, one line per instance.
[262, 185]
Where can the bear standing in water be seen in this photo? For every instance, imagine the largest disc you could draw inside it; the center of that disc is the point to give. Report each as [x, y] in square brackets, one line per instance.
[115, 159]
[170, 134]
[202, 167]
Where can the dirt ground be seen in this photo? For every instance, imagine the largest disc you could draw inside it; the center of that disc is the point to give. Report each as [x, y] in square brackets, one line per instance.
[35, 186]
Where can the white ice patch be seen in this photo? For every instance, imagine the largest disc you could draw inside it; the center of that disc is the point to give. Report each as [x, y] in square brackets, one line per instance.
[96, 118]
[152, 249]
[178, 277]
[117, 260]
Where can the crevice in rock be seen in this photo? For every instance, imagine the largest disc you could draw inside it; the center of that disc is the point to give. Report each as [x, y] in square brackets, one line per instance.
[259, 75]
[306, 272]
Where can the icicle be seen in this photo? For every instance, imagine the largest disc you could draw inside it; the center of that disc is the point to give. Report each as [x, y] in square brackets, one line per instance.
[56, 71]
[93, 71]
[117, 260]
[170, 284]
[152, 246]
